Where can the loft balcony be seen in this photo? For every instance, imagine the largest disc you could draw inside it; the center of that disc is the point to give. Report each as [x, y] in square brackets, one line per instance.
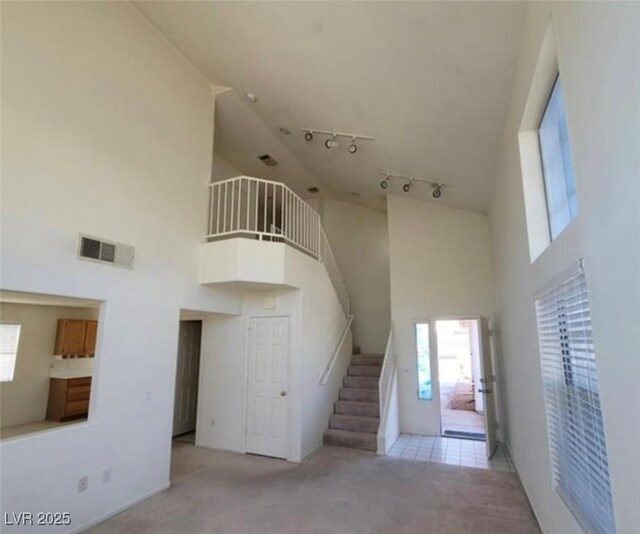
[258, 230]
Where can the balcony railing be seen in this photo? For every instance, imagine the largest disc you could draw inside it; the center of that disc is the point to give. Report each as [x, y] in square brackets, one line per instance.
[270, 211]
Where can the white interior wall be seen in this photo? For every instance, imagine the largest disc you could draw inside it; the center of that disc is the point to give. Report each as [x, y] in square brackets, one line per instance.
[223, 370]
[316, 324]
[360, 242]
[105, 130]
[598, 49]
[24, 400]
[322, 324]
[440, 266]
[391, 423]
[221, 169]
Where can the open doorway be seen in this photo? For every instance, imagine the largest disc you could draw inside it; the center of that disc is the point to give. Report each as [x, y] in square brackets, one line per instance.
[460, 378]
[185, 409]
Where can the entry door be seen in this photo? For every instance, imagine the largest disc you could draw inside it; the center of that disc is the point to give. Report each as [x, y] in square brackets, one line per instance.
[487, 385]
[268, 383]
[187, 372]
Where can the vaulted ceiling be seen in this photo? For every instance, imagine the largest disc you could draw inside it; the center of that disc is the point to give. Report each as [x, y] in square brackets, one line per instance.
[429, 80]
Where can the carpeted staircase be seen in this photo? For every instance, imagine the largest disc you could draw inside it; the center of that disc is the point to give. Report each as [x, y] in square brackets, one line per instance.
[357, 413]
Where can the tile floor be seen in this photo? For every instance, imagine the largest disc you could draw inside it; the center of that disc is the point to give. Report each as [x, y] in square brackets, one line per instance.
[462, 452]
[462, 420]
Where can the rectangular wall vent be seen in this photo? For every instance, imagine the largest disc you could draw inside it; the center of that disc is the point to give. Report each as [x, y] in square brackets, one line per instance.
[103, 251]
[268, 160]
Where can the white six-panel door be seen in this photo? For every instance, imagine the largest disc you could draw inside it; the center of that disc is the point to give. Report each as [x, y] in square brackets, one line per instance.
[268, 387]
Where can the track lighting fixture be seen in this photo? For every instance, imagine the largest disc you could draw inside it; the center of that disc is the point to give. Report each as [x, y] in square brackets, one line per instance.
[332, 141]
[436, 187]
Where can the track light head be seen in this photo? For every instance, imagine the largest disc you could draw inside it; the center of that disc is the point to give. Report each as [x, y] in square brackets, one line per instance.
[331, 143]
[308, 136]
[353, 147]
[385, 183]
[437, 191]
[407, 187]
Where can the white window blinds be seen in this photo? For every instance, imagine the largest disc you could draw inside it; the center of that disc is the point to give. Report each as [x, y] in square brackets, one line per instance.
[9, 336]
[574, 418]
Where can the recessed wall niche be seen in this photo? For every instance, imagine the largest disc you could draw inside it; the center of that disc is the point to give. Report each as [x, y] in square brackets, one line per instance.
[48, 347]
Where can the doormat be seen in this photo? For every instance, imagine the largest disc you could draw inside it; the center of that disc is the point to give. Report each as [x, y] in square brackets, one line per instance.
[478, 436]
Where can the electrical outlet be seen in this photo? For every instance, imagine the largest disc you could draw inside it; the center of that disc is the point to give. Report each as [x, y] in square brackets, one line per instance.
[106, 476]
[83, 484]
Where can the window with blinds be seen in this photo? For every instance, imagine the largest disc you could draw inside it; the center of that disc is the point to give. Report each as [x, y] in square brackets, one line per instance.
[9, 336]
[574, 419]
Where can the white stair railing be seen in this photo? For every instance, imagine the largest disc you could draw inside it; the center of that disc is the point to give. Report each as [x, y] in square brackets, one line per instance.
[271, 211]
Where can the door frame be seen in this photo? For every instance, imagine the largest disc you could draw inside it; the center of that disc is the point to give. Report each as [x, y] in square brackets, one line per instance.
[247, 351]
[433, 334]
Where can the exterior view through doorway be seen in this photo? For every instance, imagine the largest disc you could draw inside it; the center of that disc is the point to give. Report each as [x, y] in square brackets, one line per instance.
[465, 380]
[461, 403]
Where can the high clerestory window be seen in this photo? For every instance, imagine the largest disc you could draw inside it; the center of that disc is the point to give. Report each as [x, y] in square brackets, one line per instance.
[557, 169]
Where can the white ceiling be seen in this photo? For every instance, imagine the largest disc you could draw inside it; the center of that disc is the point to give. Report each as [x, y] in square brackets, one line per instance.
[429, 80]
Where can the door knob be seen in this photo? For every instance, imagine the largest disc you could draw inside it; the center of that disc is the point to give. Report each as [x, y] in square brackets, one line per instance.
[283, 393]
[484, 391]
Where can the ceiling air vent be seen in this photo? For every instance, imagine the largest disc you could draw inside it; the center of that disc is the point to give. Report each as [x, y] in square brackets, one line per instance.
[268, 160]
[313, 190]
[100, 250]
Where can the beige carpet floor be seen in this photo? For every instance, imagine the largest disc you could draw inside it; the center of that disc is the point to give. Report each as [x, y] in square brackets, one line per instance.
[335, 490]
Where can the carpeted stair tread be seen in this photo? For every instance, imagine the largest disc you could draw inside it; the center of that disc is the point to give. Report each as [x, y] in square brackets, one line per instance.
[360, 382]
[354, 440]
[355, 423]
[358, 395]
[369, 371]
[368, 409]
[366, 359]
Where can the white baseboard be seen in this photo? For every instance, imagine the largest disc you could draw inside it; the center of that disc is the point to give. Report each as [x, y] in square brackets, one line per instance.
[119, 509]
[314, 449]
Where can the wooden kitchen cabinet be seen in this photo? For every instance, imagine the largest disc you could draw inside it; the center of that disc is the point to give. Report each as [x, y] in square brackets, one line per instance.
[70, 337]
[76, 337]
[68, 398]
[90, 336]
